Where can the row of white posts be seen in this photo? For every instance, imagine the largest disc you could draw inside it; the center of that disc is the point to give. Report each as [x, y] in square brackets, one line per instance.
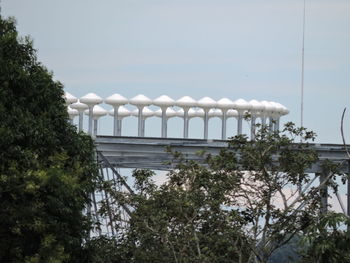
[189, 108]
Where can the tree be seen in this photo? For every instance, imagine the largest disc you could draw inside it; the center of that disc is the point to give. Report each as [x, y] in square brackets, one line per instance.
[46, 168]
[242, 207]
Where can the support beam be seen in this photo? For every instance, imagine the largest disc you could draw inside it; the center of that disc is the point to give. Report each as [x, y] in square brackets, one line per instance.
[323, 192]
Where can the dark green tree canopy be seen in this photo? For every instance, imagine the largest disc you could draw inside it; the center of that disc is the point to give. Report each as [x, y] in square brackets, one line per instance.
[46, 168]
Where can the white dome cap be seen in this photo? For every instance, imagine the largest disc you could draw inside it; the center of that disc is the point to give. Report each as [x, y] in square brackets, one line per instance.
[69, 98]
[186, 102]
[256, 105]
[241, 104]
[206, 103]
[169, 113]
[282, 109]
[72, 112]
[215, 113]
[146, 112]
[79, 106]
[180, 113]
[192, 113]
[232, 113]
[285, 111]
[140, 100]
[91, 99]
[225, 103]
[164, 101]
[122, 112]
[278, 107]
[268, 107]
[116, 100]
[97, 112]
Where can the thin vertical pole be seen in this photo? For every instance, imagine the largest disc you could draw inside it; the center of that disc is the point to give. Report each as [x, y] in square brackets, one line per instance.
[143, 127]
[119, 127]
[206, 123]
[271, 124]
[115, 123]
[164, 123]
[140, 121]
[91, 108]
[302, 70]
[277, 124]
[81, 118]
[252, 128]
[224, 122]
[186, 122]
[95, 127]
[239, 123]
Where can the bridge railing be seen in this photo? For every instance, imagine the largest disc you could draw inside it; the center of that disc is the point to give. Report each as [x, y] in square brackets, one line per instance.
[267, 113]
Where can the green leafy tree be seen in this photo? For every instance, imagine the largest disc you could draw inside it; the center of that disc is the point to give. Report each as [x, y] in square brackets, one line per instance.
[327, 241]
[46, 168]
[243, 206]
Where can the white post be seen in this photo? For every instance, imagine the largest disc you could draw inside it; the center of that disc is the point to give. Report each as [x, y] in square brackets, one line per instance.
[224, 122]
[164, 122]
[206, 123]
[239, 123]
[143, 127]
[81, 118]
[95, 128]
[252, 128]
[119, 133]
[140, 121]
[115, 120]
[91, 107]
[186, 122]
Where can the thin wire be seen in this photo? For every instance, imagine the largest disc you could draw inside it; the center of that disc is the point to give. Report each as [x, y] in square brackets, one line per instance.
[302, 72]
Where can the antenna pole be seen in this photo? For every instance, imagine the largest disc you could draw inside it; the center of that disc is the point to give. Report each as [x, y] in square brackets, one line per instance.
[302, 72]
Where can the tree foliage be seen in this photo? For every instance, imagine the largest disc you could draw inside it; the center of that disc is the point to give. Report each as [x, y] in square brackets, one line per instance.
[46, 168]
[242, 206]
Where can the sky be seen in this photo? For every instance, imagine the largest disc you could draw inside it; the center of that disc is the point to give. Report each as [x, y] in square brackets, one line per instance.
[247, 49]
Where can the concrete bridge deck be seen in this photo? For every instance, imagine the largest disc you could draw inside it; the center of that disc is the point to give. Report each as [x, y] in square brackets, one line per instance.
[151, 153]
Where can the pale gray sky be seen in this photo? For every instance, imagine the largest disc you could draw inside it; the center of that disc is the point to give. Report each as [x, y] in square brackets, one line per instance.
[247, 49]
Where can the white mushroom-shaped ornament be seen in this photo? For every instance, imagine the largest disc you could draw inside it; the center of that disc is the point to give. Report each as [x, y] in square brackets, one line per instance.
[275, 116]
[186, 103]
[164, 102]
[169, 113]
[215, 113]
[69, 98]
[267, 112]
[97, 113]
[140, 101]
[255, 110]
[122, 113]
[146, 113]
[194, 113]
[224, 105]
[116, 100]
[241, 106]
[72, 113]
[91, 99]
[80, 107]
[206, 104]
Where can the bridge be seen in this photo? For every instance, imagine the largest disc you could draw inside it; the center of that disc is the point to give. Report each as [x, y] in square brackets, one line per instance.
[151, 153]
[117, 151]
[114, 152]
